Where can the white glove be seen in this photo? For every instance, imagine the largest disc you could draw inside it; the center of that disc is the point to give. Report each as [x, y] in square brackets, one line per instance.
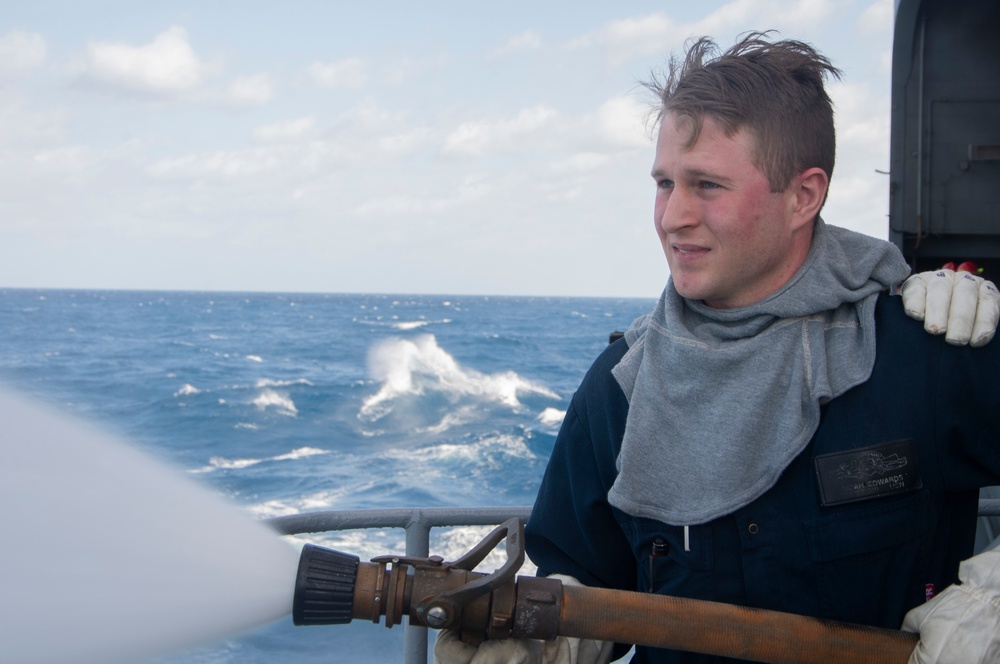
[962, 624]
[449, 648]
[964, 307]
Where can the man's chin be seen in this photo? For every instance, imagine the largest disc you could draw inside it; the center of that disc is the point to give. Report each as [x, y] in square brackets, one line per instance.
[688, 290]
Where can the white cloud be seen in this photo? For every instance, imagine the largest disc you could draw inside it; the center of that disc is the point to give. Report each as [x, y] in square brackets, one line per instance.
[582, 162]
[622, 122]
[369, 116]
[525, 42]
[641, 35]
[861, 115]
[658, 33]
[406, 69]
[404, 143]
[168, 64]
[347, 73]
[878, 17]
[228, 165]
[21, 51]
[479, 136]
[69, 160]
[471, 189]
[786, 15]
[803, 14]
[22, 125]
[252, 90]
[293, 130]
[859, 195]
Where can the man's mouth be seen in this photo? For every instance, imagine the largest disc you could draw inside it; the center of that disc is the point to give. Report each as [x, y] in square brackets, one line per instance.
[688, 250]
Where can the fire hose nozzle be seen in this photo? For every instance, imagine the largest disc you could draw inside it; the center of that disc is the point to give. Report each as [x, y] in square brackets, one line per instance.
[324, 587]
[332, 588]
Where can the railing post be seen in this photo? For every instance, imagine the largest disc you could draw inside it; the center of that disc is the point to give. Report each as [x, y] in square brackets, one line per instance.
[418, 544]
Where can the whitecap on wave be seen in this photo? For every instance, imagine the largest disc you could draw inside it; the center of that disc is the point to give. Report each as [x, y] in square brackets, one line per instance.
[419, 369]
[491, 453]
[187, 389]
[551, 417]
[325, 499]
[269, 398]
[270, 382]
[410, 325]
[221, 463]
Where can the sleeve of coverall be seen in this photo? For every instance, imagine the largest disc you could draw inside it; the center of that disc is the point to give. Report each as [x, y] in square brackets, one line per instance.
[962, 624]
[572, 529]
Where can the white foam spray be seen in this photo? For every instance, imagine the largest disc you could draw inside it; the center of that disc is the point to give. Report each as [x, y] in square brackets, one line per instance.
[109, 556]
[408, 367]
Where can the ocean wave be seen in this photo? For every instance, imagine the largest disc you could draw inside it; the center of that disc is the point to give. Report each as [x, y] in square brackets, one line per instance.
[419, 368]
[232, 464]
[410, 325]
[491, 453]
[312, 502]
[255, 358]
[300, 453]
[394, 323]
[551, 417]
[222, 463]
[268, 398]
[268, 382]
[186, 390]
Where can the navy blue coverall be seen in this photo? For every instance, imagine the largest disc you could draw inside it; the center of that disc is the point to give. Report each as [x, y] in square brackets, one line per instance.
[879, 547]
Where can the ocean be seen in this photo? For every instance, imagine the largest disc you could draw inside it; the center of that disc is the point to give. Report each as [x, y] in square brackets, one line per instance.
[290, 403]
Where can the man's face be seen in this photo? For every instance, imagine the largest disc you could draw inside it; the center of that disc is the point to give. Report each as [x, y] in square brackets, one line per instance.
[728, 239]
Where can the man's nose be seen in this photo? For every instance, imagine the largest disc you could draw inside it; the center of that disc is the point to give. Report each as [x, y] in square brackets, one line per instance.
[677, 211]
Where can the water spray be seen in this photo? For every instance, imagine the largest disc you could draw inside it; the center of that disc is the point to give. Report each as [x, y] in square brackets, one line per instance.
[110, 556]
[335, 588]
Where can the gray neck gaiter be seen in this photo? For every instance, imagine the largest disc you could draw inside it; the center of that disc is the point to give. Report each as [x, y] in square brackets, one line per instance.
[722, 400]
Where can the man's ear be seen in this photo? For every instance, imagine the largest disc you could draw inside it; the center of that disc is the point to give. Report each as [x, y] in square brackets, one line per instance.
[810, 189]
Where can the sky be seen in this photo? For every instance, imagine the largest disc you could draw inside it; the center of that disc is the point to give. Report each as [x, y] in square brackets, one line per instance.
[391, 147]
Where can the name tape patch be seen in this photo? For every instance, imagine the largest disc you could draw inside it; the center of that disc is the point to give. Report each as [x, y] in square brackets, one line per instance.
[871, 472]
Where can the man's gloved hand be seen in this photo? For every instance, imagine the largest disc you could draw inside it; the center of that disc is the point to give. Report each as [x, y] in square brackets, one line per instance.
[449, 648]
[960, 305]
[962, 624]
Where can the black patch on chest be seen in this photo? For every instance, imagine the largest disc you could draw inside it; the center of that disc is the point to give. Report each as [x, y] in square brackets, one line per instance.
[885, 469]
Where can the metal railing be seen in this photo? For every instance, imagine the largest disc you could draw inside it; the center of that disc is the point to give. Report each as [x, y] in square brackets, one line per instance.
[417, 523]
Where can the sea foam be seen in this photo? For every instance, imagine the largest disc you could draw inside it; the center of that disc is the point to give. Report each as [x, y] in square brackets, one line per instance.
[419, 366]
[222, 463]
[551, 417]
[271, 399]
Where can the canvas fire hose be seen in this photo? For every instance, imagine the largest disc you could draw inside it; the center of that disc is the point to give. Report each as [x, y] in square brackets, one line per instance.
[336, 588]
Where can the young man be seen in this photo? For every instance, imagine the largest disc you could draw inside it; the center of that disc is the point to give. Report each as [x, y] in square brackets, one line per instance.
[776, 433]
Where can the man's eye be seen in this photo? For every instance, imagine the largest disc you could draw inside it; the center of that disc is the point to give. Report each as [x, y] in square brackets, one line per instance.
[665, 184]
[704, 184]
